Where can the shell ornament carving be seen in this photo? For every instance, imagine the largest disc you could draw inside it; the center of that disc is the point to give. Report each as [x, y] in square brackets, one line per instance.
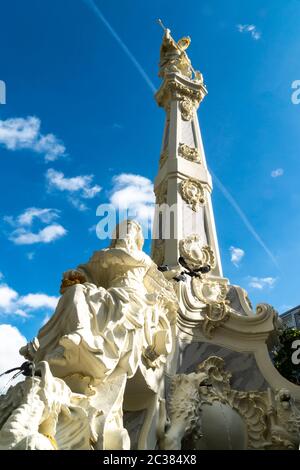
[192, 192]
[195, 253]
[208, 291]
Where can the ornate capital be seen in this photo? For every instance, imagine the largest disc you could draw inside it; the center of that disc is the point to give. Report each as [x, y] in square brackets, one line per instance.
[177, 87]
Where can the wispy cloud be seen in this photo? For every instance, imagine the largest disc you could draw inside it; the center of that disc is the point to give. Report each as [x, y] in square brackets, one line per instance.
[116, 125]
[244, 218]
[276, 173]
[80, 185]
[134, 193]
[250, 29]
[129, 54]
[261, 282]
[236, 255]
[25, 133]
[23, 234]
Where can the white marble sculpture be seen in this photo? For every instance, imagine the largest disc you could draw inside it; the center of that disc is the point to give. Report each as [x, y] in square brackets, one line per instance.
[123, 331]
[115, 320]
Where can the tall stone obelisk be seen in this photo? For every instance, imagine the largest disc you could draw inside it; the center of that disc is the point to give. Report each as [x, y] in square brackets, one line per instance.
[184, 224]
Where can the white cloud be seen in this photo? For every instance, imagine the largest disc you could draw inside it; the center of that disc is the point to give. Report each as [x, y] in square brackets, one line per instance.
[8, 297]
[23, 235]
[11, 340]
[250, 29]
[45, 235]
[12, 303]
[276, 173]
[44, 215]
[261, 282]
[236, 255]
[24, 133]
[38, 301]
[81, 186]
[135, 193]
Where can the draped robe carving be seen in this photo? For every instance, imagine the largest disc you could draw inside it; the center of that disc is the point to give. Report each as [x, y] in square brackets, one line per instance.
[117, 315]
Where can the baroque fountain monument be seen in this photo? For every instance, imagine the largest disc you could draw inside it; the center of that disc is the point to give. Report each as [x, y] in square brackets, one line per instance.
[157, 352]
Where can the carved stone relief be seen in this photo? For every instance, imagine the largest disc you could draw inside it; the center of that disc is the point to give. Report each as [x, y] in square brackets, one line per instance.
[187, 109]
[189, 153]
[270, 420]
[195, 253]
[161, 192]
[192, 193]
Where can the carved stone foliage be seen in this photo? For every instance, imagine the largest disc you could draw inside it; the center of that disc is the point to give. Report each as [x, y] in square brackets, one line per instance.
[215, 314]
[209, 291]
[284, 421]
[213, 294]
[187, 109]
[180, 91]
[271, 420]
[172, 89]
[189, 153]
[210, 384]
[161, 192]
[192, 193]
[251, 406]
[195, 253]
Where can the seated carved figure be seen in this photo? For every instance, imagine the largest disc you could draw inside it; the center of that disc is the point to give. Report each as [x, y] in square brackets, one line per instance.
[116, 316]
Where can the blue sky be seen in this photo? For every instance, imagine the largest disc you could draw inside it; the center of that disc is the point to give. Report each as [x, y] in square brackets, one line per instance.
[80, 115]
